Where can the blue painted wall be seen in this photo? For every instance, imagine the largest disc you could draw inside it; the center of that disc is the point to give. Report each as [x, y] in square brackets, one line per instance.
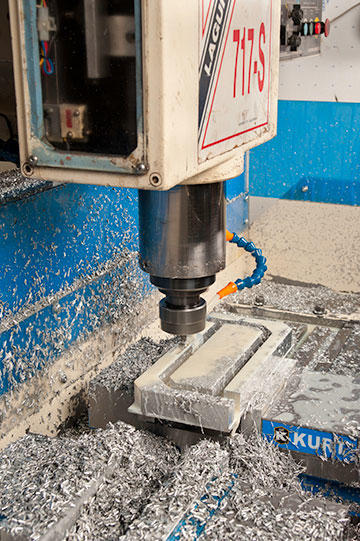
[315, 156]
[68, 266]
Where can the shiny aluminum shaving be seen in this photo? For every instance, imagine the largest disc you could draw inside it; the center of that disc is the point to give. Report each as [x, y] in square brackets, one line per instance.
[200, 463]
[123, 493]
[242, 489]
[299, 298]
[264, 502]
[102, 286]
[13, 185]
[321, 347]
[131, 364]
[43, 479]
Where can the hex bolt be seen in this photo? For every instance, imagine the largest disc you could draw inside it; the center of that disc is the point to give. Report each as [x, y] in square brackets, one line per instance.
[259, 300]
[319, 310]
[155, 180]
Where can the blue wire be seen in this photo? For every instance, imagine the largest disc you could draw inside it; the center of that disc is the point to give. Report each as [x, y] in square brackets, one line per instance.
[45, 68]
[261, 267]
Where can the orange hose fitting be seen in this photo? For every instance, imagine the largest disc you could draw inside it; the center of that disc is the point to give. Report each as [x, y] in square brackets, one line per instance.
[227, 290]
[229, 236]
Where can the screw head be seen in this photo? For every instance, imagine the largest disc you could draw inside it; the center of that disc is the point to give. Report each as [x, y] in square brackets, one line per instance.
[76, 112]
[305, 189]
[69, 135]
[140, 168]
[259, 300]
[130, 37]
[155, 180]
[319, 310]
[33, 160]
[62, 377]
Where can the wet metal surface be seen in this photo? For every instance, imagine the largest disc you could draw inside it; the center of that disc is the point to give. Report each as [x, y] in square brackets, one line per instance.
[327, 402]
[211, 393]
[218, 360]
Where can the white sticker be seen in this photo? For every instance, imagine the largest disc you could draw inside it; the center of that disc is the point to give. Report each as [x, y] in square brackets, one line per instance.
[234, 73]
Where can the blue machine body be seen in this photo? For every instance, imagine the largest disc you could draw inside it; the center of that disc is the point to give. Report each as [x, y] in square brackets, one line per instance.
[315, 156]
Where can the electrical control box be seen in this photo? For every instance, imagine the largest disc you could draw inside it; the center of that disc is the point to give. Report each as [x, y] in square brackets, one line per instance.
[143, 93]
[301, 28]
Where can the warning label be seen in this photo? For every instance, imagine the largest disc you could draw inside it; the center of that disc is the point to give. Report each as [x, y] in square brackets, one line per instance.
[234, 73]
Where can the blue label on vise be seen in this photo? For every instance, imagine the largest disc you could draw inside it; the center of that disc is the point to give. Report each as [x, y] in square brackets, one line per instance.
[312, 442]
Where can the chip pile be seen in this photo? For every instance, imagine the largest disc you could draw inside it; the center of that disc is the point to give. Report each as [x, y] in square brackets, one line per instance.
[122, 483]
